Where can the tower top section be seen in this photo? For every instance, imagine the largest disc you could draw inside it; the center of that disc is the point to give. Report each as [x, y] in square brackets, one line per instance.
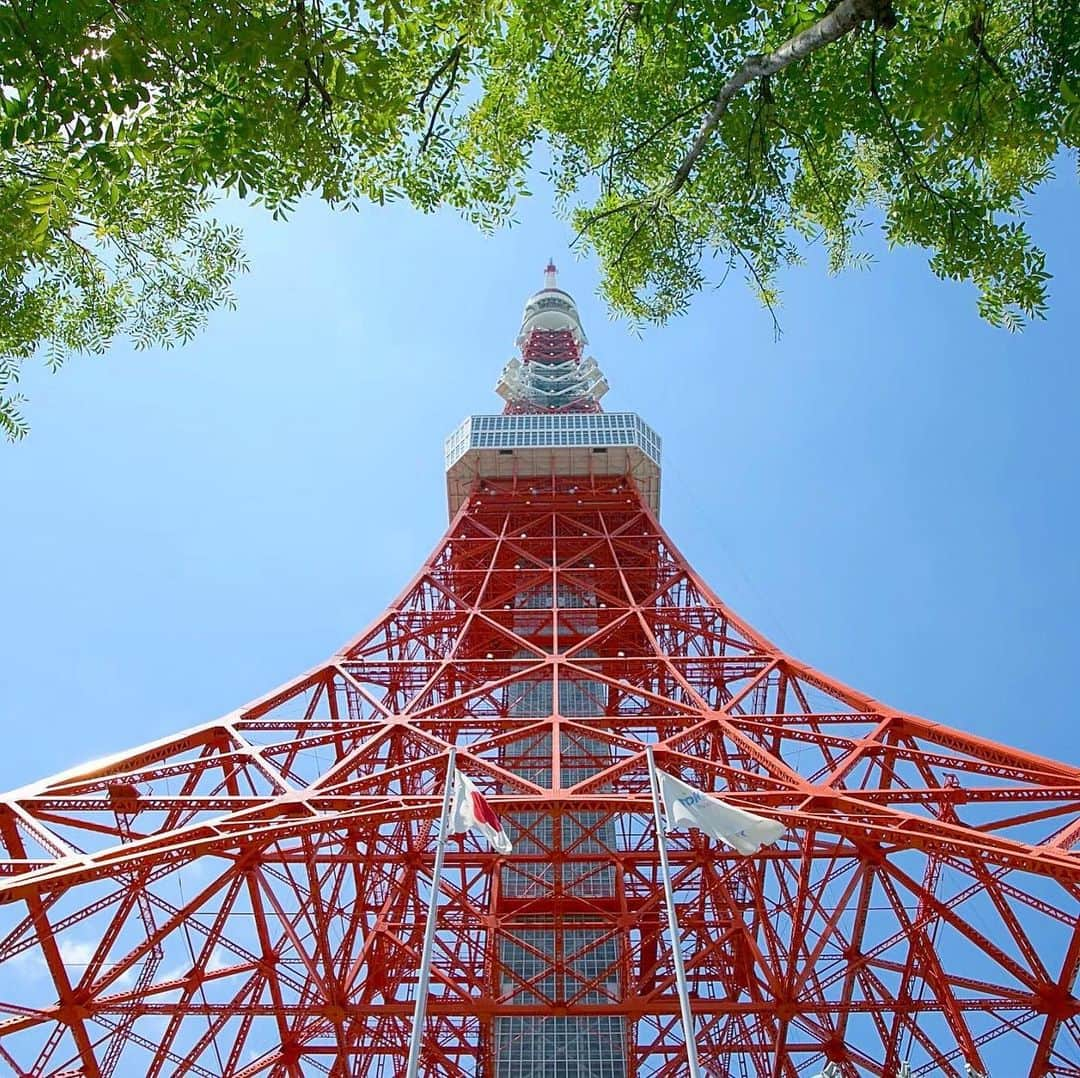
[552, 427]
[552, 374]
[551, 310]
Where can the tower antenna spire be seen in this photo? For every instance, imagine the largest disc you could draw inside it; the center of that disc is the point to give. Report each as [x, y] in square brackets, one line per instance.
[553, 373]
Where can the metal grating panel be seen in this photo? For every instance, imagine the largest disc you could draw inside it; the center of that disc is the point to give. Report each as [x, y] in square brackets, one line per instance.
[552, 431]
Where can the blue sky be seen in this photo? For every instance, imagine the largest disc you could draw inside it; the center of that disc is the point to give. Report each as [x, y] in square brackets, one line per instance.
[889, 492]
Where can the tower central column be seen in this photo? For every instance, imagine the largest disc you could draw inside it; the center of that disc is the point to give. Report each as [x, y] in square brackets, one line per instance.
[557, 903]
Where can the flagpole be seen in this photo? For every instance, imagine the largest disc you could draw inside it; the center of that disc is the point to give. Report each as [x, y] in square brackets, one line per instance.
[416, 1040]
[673, 923]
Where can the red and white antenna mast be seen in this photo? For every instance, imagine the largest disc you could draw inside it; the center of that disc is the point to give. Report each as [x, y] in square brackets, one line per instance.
[552, 375]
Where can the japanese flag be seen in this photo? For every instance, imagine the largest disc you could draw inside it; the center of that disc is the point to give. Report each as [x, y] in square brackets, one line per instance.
[471, 812]
[685, 806]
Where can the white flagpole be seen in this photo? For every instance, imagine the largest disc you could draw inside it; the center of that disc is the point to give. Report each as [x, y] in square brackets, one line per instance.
[416, 1040]
[673, 924]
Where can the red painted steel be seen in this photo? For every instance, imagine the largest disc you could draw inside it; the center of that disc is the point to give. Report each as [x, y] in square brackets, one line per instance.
[551, 347]
[248, 897]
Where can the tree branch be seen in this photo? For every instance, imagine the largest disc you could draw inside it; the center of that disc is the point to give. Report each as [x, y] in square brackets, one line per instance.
[595, 218]
[324, 93]
[452, 57]
[763, 292]
[890, 123]
[451, 82]
[634, 150]
[977, 33]
[837, 23]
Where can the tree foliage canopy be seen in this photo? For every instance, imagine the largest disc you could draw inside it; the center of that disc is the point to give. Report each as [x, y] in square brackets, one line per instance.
[683, 137]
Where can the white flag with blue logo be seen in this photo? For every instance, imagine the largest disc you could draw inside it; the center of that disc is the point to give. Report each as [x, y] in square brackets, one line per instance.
[685, 806]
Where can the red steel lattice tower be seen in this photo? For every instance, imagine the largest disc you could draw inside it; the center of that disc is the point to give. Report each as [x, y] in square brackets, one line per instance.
[249, 897]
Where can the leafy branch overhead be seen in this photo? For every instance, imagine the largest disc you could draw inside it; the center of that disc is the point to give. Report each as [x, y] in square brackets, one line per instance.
[683, 139]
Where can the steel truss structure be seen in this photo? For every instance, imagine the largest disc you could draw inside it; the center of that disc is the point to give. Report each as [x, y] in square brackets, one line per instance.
[248, 898]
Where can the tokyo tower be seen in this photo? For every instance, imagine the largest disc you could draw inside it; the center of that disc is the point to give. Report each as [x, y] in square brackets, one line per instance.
[249, 897]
